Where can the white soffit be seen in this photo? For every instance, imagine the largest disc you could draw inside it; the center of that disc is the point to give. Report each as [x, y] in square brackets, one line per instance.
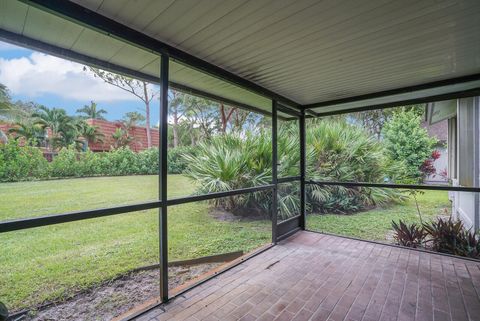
[310, 51]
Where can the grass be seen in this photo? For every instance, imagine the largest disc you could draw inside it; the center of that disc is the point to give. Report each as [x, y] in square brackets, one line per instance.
[374, 224]
[54, 262]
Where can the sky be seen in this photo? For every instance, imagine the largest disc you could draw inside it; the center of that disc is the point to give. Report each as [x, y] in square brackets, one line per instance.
[54, 82]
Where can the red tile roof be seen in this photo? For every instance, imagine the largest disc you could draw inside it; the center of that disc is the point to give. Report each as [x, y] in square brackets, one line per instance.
[108, 128]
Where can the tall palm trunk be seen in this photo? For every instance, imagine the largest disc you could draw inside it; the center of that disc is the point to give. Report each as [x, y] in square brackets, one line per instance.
[175, 127]
[147, 115]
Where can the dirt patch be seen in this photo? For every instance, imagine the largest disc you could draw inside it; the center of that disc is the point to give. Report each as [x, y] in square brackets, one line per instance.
[243, 216]
[114, 298]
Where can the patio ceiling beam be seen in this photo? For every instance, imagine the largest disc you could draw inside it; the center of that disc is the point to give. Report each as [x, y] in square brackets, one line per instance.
[23, 41]
[423, 100]
[404, 90]
[92, 20]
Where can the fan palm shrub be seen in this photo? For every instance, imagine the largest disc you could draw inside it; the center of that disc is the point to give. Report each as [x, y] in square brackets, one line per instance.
[229, 162]
[336, 151]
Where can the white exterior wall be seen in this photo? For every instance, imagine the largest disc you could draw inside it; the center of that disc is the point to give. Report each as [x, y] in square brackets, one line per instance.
[463, 207]
[466, 205]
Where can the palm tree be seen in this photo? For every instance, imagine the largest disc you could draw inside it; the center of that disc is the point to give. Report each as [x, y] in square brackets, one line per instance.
[121, 138]
[133, 119]
[64, 128]
[92, 111]
[30, 130]
[91, 134]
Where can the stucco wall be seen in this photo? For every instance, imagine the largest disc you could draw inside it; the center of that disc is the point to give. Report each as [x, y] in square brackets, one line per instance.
[466, 206]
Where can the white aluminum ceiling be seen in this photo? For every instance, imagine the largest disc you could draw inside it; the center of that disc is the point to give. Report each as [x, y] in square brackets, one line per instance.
[309, 51]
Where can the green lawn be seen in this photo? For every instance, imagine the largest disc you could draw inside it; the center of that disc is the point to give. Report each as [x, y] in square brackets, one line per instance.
[53, 262]
[374, 224]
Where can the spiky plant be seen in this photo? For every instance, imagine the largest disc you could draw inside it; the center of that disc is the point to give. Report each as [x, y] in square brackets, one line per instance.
[338, 151]
[411, 235]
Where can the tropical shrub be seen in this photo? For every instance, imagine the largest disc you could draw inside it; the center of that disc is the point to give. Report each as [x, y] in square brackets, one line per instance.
[231, 161]
[336, 151]
[406, 141]
[449, 236]
[428, 166]
[410, 235]
[66, 163]
[70, 163]
[147, 161]
[21, 162]
[341, 152]
[445, 236]
[177, 163]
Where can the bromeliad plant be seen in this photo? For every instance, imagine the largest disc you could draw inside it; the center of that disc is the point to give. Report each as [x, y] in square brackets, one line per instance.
[445, 236]
[449, 236]
[410, 235]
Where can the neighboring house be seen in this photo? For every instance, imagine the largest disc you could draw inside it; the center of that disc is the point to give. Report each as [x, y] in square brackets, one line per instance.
[463, 116]
[107, 128]
[439, 130]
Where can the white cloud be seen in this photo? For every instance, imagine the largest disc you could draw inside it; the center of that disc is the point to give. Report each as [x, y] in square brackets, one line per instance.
[40, 74]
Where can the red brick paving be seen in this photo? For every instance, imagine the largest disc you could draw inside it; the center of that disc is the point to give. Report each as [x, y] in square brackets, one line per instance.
[322, 277]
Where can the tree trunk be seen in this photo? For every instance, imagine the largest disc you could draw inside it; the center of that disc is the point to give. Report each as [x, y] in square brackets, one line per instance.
[192, 134]
[175, 127]
[225, 117]
[147, 115]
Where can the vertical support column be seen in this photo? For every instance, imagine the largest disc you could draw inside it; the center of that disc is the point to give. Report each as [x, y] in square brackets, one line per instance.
[274, 171]
[303, 216]
[163, 150]
[476, 160]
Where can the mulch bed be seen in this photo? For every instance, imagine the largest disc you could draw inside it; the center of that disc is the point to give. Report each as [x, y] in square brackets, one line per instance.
[116, 297]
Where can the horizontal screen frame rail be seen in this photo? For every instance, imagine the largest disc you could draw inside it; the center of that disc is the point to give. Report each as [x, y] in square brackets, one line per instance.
[397, 186]
[26, 223]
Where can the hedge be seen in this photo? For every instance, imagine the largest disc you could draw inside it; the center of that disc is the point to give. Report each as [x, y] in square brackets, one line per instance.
[19, 163]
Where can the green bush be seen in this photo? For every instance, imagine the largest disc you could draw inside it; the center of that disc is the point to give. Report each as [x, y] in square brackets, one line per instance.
[336, 151]
[177, 162]
[147, 161]
[71, 163]
[228, 162]
[21, 162]
[121, 161]
[406, 141]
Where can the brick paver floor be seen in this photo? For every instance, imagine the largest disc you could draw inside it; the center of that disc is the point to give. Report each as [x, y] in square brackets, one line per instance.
[312, 276]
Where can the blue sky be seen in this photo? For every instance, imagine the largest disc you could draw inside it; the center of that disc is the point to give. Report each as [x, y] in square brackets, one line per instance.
[55, 82]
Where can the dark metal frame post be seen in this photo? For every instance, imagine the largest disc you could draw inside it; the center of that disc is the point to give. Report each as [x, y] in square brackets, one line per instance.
[163, 150]
[302, 130]
[274, 171]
